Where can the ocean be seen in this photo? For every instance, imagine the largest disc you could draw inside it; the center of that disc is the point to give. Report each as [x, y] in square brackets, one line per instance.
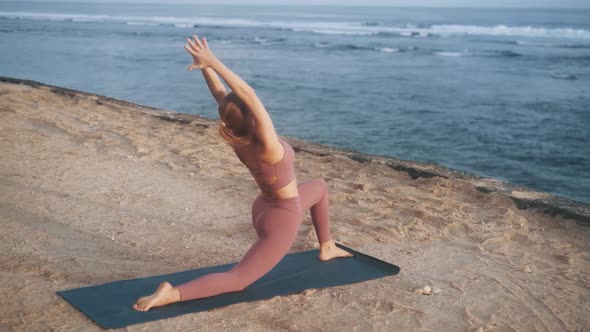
[500, 93]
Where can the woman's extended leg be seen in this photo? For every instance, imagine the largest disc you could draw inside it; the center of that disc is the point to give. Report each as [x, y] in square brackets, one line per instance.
[264, 254]
[277, 230]
[313, 195]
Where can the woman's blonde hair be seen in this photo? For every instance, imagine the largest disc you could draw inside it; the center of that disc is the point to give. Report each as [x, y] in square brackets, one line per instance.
[235, 120]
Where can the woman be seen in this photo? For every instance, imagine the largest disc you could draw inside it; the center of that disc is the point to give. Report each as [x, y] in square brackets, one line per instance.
[277, 211]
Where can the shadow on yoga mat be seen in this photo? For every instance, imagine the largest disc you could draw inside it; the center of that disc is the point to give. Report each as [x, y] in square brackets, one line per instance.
[109, 305]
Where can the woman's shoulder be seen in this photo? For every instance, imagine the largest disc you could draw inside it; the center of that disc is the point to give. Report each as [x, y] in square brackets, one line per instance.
[271, 152]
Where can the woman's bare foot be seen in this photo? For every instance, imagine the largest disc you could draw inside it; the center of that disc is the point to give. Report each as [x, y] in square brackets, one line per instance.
[165, 294]
[328, 250]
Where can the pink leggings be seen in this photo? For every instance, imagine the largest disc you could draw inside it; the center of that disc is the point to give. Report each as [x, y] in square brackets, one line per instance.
[276, 223]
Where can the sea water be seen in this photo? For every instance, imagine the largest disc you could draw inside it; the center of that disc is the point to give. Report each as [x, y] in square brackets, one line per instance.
[501, 93]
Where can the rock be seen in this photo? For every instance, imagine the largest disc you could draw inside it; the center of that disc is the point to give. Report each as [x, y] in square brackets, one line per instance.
[426, 290]
[358, 186]
[309, 292]
[527, 269]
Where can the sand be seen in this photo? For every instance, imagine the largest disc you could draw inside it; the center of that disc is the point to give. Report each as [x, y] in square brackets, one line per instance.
[95, 189]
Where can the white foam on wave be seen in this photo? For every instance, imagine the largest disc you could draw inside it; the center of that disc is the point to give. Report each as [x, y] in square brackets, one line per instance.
[564, 45]
[140, 23]
[350, 28]
[330, 31]
[503, 30]
[455, 54]
[412, 33]
[388, 49]
[410, 30]
[184, 25]
[320, 27]
[354, 47]
[181, 22]
[525, 43]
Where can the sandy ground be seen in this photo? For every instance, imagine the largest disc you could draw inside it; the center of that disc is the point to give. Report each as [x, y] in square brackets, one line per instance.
[95, 190]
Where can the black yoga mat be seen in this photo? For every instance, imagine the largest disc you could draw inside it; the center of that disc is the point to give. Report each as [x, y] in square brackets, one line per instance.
[109, 305]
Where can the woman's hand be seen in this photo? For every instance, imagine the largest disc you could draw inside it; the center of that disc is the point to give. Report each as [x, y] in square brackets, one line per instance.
[202, 55]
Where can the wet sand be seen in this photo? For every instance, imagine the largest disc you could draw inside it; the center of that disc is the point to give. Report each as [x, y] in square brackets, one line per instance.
[96, 189]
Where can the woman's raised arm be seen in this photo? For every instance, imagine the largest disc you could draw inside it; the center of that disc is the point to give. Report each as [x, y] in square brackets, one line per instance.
[215, 86]
[203, 58]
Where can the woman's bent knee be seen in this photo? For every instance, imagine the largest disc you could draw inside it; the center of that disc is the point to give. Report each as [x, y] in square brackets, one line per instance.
[322, 184]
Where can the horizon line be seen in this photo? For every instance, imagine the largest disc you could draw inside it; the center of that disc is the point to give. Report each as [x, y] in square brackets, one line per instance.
[157, 2]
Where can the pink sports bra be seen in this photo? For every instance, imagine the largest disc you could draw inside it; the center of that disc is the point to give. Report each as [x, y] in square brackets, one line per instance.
[283, 170]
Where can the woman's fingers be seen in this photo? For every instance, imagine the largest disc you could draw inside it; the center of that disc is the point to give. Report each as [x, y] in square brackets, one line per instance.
[197, 41]
[192, 44]
[190, 50]
[196, 44]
